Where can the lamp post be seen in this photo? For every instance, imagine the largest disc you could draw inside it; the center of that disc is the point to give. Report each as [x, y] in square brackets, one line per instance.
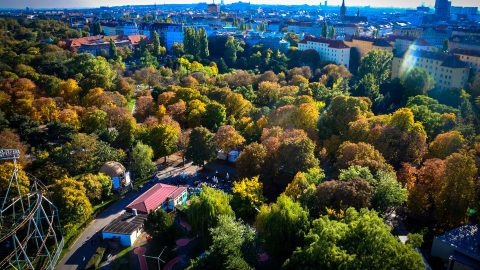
[157, 258]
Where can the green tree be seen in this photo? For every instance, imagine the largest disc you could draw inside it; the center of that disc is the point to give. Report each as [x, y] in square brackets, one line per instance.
[361, 240]
[457, 192]
[201, 146]
[112, 50]
[97, 29]
[247, 197]
[388, 192]
[416, 82]
[215, 115]
[378, 63]
[251, 160]
[331, 32]
[160, 225]
[69, 195]
[233, 246]
[157, 47]
[205, 208]
[296, 155]
[163, 139]
[368, 87]
[232, 48]
[203, 43]
[324, 29]
[142, 165]
[6, 172]
[282, 226]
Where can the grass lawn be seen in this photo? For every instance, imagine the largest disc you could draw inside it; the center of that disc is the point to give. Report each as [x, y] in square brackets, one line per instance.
[131, 103]
[123, 259]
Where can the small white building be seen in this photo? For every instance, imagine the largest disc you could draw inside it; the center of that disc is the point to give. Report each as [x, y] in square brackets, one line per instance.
[126, 228]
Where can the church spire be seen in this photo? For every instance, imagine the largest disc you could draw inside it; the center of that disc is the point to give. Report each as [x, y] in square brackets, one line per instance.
[343, 11]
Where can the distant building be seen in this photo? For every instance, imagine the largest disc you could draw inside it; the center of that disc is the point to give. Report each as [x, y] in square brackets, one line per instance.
[99, 45]
[408, 31]
[442, 9]
[174, 34]
[345, 29]
[459, 248]
[126, 228]
[213, 8]
[366, 44]
[422, 45]
[448, 71]
[466, 42]
[159, 196]
[343, 11]
[423, 9]
[402, 43]
[307, 28]
[436, 35]
[330, 50]
[471, 57]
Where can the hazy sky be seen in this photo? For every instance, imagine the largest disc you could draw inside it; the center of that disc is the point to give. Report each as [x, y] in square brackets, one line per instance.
[96, 3]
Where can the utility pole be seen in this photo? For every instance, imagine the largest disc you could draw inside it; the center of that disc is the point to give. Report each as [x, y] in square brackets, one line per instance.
[157, 258]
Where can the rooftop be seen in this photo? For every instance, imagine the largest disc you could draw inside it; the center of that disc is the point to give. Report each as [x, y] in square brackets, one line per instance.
[474, 53]
[155, 197]
[448, 60]
[77, 42]
[465, 238]
[127, 223]
[332, 43]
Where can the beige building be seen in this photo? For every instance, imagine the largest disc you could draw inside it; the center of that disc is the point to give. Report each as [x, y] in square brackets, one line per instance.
[471, 57]
[408, 31]
[366, 44]
[330, 50]
[448, 71]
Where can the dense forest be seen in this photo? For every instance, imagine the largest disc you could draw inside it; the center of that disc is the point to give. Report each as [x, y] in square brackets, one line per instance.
[327, 154]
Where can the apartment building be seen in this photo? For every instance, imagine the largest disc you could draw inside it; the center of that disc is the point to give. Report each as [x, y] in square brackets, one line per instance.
[447, 70]
[366, 44]
[330, 50]
[471, 57]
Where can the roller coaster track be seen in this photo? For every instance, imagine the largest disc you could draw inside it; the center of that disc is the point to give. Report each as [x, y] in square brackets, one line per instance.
[19, 226]
[24, 219]
[34, 223]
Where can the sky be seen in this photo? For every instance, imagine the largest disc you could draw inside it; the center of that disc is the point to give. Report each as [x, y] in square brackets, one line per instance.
[96, 3]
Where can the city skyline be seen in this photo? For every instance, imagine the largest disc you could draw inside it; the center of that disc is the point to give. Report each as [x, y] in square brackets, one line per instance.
[93, 3]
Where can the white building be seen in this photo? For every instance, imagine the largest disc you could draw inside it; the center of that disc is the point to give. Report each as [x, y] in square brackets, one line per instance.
[330, 50]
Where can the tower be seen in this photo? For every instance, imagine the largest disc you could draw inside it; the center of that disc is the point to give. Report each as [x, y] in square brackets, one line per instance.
[343, 11]
[442, 9]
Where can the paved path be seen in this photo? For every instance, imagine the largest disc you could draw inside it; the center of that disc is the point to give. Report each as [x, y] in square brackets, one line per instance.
[83, 249]
[140, 251]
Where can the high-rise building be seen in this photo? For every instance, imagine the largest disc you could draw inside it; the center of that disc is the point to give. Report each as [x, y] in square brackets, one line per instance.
[442, 9]
[343, 11]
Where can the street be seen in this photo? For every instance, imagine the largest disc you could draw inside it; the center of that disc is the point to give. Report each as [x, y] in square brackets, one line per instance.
[82, 248]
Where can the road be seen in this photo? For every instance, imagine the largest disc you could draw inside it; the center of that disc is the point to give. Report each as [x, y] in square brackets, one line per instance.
[83, 247]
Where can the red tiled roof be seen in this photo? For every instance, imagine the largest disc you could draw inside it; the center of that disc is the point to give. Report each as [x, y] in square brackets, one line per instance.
[421, 42]
[77, 42]
[332, 43]
[155, 197]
